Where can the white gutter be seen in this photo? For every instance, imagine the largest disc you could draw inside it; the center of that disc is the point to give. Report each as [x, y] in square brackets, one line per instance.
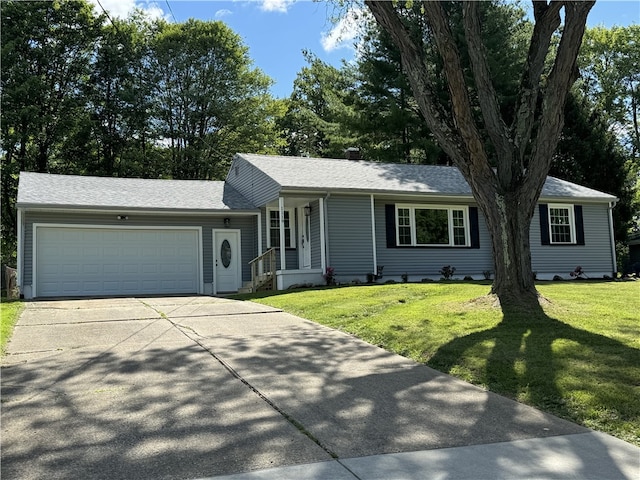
[373, 236]
[20, 252]
[612, 238]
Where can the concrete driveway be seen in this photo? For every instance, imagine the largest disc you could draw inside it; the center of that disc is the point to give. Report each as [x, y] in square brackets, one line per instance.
[195, 387]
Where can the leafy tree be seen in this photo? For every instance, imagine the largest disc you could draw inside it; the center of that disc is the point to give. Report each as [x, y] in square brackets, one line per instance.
[46, 51]
[590, 154]
[388, 122]
[610, 69]
[318, 112]
[476, 132]
[206, 93]
[119, 101]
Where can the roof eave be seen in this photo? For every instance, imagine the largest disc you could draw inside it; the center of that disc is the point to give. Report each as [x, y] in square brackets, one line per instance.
[466, 196]
[120, 209]
[564, 198]
[367, 191]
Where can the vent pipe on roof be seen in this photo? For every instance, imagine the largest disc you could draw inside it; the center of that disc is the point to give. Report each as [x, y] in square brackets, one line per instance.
[353, 153]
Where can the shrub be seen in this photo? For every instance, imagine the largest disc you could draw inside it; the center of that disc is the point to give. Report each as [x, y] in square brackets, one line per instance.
[578, 273]
[447, 272]
[330, 276]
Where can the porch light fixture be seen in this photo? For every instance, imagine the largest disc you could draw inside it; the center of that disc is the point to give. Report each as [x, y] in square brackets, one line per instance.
[307, 210]
[227, 222]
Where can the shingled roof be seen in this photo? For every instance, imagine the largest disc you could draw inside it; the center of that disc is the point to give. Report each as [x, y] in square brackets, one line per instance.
[72, 191]
[302, 173]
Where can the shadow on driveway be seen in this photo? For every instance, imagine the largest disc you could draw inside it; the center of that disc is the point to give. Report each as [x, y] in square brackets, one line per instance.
[165, 395]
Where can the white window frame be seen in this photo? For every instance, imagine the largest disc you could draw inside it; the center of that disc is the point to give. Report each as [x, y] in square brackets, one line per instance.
[572, 222]
[292, 226]
[412, 224]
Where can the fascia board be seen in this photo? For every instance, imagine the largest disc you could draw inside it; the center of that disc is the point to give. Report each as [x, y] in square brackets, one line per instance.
[119, 210]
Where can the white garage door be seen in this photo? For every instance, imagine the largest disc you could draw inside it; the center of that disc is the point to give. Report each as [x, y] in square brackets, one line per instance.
[101, 261]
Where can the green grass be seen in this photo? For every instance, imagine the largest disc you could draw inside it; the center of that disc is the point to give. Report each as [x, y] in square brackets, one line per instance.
[9, 313]
[580, 360]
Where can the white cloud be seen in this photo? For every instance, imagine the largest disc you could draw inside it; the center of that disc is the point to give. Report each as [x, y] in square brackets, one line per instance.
[123, 8]
[223, 13]
[343, 34]
[276, 5]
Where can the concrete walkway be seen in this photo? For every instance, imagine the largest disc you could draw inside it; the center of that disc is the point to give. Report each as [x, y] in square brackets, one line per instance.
[201, 387]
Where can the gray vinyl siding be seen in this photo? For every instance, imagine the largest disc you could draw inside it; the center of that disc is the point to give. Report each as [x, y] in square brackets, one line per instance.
[247, 225]
[594, 256]
[316, 254]
[252, 183]
[427, 261]
[349, 235]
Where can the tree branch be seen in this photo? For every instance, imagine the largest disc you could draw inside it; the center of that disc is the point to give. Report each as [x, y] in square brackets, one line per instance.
[438, 121]
[496, 128]
[460, 102]
[547, 20]
[562, 76]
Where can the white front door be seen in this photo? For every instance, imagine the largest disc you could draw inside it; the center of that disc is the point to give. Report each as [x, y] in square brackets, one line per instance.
[305, 238]
[227, 261]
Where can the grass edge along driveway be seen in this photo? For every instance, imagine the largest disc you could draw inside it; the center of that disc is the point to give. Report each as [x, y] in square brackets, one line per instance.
[580, 361]
[9, 314]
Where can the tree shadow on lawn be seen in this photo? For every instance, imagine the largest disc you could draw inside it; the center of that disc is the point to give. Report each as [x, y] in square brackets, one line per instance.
[551, 365]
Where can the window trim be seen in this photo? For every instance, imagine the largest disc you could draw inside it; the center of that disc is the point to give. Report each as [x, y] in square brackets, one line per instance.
[292, 227]
[412, 224]
[570, 208]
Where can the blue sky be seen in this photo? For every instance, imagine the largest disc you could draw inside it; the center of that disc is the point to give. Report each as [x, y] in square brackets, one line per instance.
[277, 31]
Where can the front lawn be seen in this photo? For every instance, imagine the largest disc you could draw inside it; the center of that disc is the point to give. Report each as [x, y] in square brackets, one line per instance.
[9, 313]
[580, 361]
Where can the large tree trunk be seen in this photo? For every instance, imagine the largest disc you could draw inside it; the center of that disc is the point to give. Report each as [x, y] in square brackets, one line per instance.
[507, 182]
[508, 224]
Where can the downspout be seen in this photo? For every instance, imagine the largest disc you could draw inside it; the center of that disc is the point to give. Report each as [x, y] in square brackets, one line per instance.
[612, 238]
[373, 236]
[20, 262]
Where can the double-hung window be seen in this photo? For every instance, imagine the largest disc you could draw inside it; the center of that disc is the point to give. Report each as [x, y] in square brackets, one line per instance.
[561, 224]
[432, 225]
[273, 239]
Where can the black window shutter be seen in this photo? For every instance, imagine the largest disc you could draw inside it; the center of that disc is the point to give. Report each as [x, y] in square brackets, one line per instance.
[544, 224]
[577, 213]
[390, 220]
[474, 227]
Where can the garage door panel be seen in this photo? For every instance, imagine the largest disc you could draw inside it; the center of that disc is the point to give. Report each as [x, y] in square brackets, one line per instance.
[130, 268]
[90, 269]
[96, 261]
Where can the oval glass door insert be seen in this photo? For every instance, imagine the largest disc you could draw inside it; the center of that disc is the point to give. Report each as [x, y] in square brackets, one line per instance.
[225, 253]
